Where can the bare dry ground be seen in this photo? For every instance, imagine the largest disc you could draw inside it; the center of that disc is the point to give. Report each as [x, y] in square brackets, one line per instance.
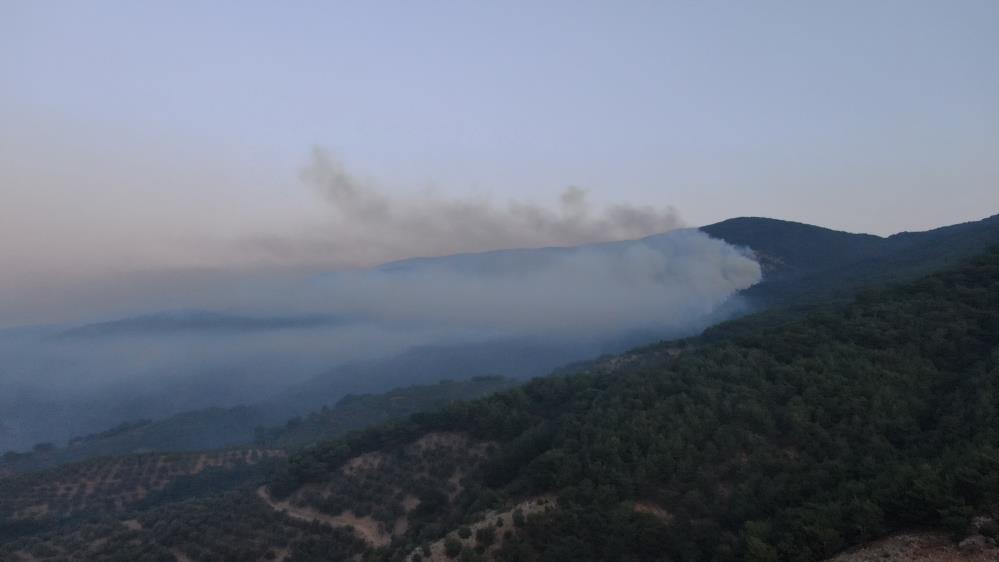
[366, 527]
[376, 469]
[654, 510]
[920, 547]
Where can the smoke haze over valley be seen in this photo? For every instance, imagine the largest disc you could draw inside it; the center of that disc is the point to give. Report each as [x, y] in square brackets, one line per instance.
[234, 319]
[518, 281]
[280, 331]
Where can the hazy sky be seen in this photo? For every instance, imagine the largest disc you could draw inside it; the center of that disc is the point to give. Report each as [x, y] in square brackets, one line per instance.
[144, 135]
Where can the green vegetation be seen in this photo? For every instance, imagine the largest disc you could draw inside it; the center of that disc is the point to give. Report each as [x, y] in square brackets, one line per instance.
[790, 442]
[354, 412]
[776, 437]
[416, 481]
[232, 527]
[115, 485]
[804, 264]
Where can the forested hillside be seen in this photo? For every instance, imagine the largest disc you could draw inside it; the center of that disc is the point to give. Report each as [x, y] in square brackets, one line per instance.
[782, 438]
[804, 264]
[229, 427]
[790, 442]
[97, 488]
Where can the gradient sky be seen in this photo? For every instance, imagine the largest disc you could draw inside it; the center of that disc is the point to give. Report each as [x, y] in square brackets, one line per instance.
[136, 135]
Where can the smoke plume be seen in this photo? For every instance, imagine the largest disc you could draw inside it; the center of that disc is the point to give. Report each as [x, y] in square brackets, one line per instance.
[669, 282]
[369, 226]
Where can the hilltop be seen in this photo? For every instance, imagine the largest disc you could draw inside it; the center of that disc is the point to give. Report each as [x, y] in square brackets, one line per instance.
[804, 264]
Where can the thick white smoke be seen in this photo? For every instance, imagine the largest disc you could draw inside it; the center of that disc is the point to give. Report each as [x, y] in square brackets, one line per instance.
[671, 281]
[566, 299]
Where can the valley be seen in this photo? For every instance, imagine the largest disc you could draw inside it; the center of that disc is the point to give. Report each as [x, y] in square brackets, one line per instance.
[556, 281]
[784, 435]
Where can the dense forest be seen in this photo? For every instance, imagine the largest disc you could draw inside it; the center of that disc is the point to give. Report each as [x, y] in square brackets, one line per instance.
[804, 263]
[782, 436]
[790, 441]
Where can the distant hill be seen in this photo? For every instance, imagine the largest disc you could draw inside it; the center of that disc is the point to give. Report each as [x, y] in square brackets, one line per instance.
[216, 428]
[514, 358]
[804, 263]
[354, 412]
[788, 248]
[195, 322]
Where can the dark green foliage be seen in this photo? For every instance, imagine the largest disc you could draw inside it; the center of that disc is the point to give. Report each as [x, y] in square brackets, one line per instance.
[789, 439]
[35, 502]
[485, 536]
[777, 437]
[452, 547]
[380, 485]
[210, 481]
[990, 529]
[803, 263]
[518, 518]
[470, 556]
[354, 412]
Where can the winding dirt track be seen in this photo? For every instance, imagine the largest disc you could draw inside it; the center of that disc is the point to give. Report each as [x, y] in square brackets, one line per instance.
[366, 527]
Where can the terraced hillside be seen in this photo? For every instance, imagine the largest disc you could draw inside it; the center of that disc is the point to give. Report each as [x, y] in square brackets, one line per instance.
[383, 495]
[233, 526]
[110, 485]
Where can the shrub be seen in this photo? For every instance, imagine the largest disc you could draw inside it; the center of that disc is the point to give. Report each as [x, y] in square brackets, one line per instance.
[452, 547]
[518, 518]
[486, 536]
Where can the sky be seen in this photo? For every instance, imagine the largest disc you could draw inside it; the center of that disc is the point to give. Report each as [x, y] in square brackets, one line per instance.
[181, 135]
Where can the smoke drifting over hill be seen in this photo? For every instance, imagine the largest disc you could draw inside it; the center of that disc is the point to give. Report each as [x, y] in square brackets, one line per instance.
[671, 281]
[370, 225]
[249, 315]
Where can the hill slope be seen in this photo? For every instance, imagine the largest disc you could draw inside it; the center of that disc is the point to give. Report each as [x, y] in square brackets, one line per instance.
[791, 441]
[803, 264]
[806, 264]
